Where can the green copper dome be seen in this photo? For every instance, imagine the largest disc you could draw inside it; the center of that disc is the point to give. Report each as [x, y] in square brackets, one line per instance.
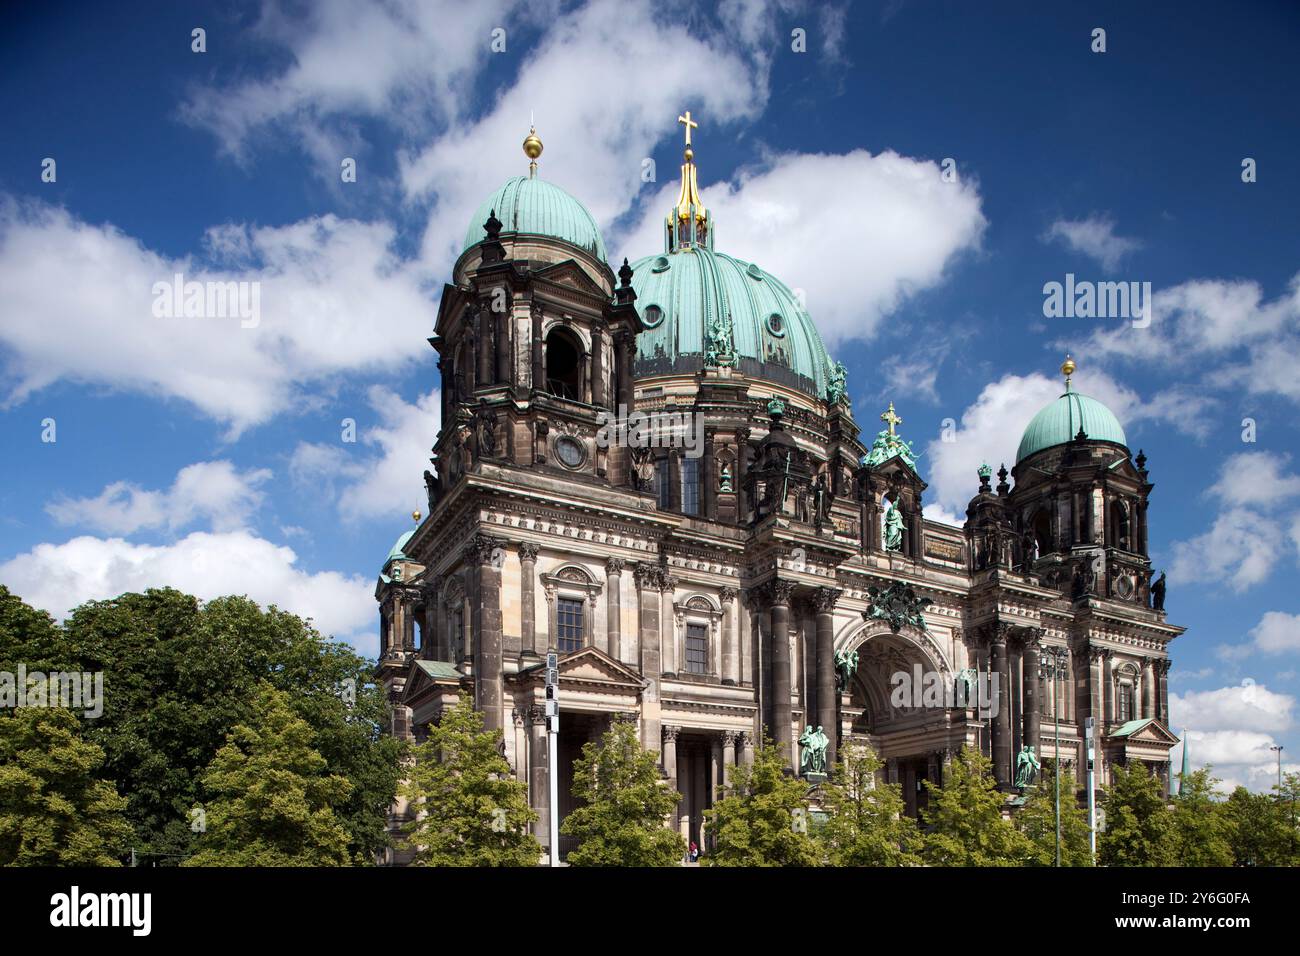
[682, 294]
[1060, 421]
[529, 206]
[397, 554]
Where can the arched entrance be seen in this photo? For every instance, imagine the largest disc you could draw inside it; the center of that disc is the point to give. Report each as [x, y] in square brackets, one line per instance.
[893, 693]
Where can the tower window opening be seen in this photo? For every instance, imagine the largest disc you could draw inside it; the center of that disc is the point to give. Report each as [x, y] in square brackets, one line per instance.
[563, 365]
[691, 486]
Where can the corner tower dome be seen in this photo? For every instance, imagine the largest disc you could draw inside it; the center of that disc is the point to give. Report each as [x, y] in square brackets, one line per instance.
[703, 307]
[1059, 422]
[531, 206]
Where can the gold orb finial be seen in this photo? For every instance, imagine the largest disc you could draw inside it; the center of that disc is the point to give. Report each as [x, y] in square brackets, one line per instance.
[532, 149]
[1067, 369]
[415, 516]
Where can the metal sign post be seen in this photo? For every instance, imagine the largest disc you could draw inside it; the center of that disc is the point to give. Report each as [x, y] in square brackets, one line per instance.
[552, 770]
[1088, 725]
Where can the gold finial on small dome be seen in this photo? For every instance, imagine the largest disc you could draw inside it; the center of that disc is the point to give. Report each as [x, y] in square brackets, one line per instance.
[415, 516]
[1067, 369]
[532, 149]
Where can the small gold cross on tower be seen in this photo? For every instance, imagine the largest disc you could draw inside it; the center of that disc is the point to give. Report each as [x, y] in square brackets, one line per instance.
[690, 125]
[890, 419]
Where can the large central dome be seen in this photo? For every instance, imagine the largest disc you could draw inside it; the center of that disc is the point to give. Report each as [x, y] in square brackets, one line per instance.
[702, 307]
[681, 293]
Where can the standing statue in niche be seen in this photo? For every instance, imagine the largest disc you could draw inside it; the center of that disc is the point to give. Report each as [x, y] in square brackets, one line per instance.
[846, 665]
[893, 527]
[1028, 552]
[431, 489]
[643, 469]
[1158, 593]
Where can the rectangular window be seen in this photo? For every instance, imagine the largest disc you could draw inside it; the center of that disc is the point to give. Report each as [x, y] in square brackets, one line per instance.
[697, 649]
[568, 619]
[664, 483]
[690, 486]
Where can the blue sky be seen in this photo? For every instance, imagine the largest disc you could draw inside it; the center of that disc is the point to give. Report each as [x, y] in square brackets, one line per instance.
[200, 453]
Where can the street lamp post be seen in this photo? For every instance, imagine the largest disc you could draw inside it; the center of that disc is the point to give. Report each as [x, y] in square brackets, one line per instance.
[1278, 749]
[1053, 663]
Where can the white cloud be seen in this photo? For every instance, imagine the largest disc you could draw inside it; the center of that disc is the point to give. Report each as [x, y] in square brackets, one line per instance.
[410, 61]
[604, 101]
[790, 215]
[1277, 632]
[1256, 478]
[58, 577]
[937, 512]
[385, 483]
[1229, 321]
[1241, 549]
[78, 306]
[211, 491]
[1247, 706]
[1094, 237]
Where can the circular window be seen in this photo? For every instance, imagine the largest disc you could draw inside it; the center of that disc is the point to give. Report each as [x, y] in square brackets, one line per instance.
[754, 272]
[652, 316]
[1124, 587]
[570, 451]
[776, 324]
[661, 264]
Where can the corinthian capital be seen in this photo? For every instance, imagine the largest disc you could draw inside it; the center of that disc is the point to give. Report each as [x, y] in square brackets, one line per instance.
[824, 599]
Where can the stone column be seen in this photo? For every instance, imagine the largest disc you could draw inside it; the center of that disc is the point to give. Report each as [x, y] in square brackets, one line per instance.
[528, 601]
[1016, 711]
[730, 652]
[745, 744]
[668, 629]
[625, 345]
[824, 600]
[486, 359]
[1032, 709]
[597, 368]
[1002, 722]
[504, 321]
[1148, 688]
[669, 756]
[1162, 690]
[539, 352]
[649, 583]
[614, 607]
[729, 738]
[779, 596]
[1108, 676]
[487, 615]
[537, 790]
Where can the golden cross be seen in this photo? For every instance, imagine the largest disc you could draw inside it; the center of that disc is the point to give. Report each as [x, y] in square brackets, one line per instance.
[690, 125]
[891, 419]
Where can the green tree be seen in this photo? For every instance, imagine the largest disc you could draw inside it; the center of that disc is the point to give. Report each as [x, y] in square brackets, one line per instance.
[762, 820]
[1202, 829]
[866, 825]
[272, 796]
[624, 805]
[180, 674]
[965, 814]
[471, 809]
[1259, 830]
[54, 811]
[1139, 824]
[1037, 821]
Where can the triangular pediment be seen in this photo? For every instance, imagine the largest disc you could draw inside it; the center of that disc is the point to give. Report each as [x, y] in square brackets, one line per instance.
[424, 675]
[1149, 731]
[588, 666]
[568, 273]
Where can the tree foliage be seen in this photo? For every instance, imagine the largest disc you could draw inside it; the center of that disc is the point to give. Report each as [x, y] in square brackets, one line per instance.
[1139, 825]
[272, 797]
[965, 813]
[179, 675]
[624, 804]
[54, 809]
[1201, 831]
[471, 811]
[762, 819]
[866, 825]
[1260, 831]
[1037, 821]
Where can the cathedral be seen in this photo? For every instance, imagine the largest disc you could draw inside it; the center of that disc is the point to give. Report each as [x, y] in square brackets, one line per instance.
[655, 474]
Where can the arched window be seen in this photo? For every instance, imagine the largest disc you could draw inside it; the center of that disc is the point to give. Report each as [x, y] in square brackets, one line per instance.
[563, 365]
[1120, 525]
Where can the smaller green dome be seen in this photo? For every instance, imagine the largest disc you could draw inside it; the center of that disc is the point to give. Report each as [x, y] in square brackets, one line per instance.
[529, 206]
[397, 554]
[1060, 421]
